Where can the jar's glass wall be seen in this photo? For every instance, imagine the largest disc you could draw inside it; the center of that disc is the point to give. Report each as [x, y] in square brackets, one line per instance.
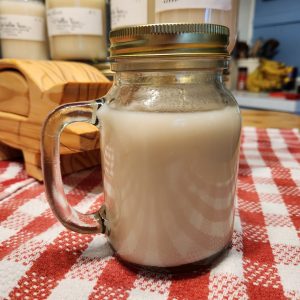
[170, 143]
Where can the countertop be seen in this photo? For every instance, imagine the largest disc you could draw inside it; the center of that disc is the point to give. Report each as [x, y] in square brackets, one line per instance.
[270, 119]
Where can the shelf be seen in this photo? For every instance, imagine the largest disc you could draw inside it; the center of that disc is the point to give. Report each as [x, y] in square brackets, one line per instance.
[264, 101]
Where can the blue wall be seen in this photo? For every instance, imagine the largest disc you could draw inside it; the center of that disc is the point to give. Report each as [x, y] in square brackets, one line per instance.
[280, 19]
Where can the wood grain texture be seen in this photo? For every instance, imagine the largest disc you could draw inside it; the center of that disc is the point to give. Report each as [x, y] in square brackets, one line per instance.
[29, 90]
[270, 119]
[14, 89]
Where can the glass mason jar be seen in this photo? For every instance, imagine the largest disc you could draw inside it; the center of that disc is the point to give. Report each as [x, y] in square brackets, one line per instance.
[23, 29]
[170, 135]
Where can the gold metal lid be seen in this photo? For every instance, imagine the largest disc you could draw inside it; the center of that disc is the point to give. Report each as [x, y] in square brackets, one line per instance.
[171, 39]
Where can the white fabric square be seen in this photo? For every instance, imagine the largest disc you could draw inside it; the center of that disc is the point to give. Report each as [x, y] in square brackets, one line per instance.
[137, 294]
[262, 172]
[249, 129]
[231, 264]
[278, 144]
[150, 282]
[249, 146]
[255, 162]
[295, 174]
[11, 171]
[283, 155]
[290, 164]
[88, 200]
[6, 233]
[283, 235]
[290, 277]
[266, 188]
[34, 207]
[10, 274]
[98, 248]
[251, 152]
[226, 286]
[50, 234]
[70, 289]
[274, 208]
[273, 131]
[281, 151]
[237, 224]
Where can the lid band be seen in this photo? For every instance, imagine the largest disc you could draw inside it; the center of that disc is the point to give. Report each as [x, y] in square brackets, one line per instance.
[170, 40]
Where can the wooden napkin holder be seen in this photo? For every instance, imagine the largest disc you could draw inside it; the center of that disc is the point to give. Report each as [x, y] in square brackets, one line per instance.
[29, 90]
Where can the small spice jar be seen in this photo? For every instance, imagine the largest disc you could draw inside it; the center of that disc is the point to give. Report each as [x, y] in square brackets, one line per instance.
[23, 29]
[77, 29]
[131, 12]
[242, 79]
[223, 12]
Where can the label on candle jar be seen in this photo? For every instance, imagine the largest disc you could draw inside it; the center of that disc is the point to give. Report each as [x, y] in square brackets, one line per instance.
[18, 27]
[74, 21]
[164, 5]
[128, 12]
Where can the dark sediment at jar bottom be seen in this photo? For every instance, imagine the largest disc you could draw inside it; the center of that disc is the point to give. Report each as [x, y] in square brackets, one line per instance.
[191, 269]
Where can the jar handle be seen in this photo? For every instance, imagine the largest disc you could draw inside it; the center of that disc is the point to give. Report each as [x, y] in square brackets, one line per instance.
[50, 145]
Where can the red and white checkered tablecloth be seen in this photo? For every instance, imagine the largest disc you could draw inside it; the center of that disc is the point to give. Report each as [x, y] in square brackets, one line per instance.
[39, 259]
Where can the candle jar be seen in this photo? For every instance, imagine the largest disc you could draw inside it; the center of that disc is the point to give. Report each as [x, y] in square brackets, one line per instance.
[170, 135]
[23, 29]
[223, 12]
[77, 29]
[131, 12]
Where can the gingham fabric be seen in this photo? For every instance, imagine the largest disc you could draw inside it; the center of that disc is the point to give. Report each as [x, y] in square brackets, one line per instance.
[39, 259]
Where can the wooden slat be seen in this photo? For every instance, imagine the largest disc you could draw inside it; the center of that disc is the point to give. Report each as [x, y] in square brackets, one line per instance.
[270, 119]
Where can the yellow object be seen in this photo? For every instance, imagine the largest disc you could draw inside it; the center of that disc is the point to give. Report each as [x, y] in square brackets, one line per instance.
[270, 75]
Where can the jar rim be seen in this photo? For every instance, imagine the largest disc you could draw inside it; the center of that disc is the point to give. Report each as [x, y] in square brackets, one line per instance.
[169, 63]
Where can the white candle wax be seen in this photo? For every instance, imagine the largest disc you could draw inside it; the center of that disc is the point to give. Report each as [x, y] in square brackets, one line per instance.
[23, 29]
[77, 29]
[223, 12]
[124, 12]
